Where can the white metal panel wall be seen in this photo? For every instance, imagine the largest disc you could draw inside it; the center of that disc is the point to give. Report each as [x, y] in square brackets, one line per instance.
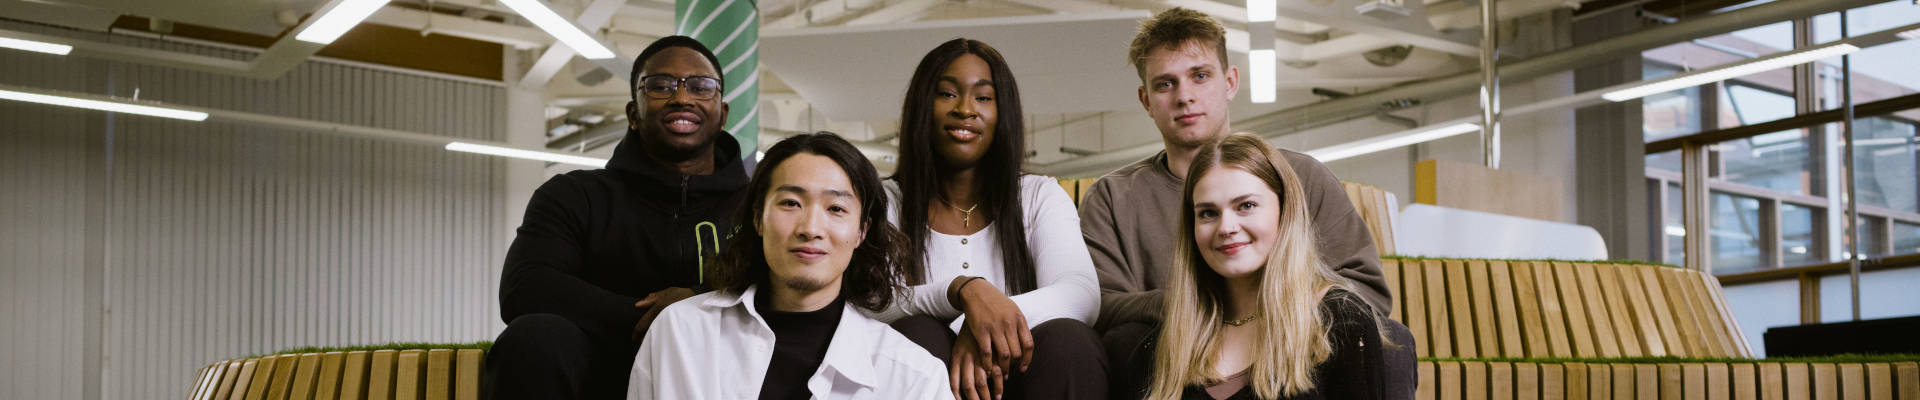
[42, 196]
[223, 240]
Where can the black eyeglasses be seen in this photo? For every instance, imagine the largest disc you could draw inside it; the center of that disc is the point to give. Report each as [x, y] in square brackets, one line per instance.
[661, 87]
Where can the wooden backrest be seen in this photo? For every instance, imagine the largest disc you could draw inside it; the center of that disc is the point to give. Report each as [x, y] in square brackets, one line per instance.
[437, 374]
[1535, 309]
[1670, 380]
[1377, 207]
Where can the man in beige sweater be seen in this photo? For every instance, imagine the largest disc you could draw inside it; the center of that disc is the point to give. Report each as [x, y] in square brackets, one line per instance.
[1129, 216]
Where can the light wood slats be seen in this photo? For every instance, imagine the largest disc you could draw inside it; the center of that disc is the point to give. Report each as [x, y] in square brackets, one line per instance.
[1424, 388]
[1646, 381]
[1648, 331]
[1416, 306]
[1450, 381]
[1483, 316]
[1475, 382]
[1553, 382]
[1527, 298]
[1390, 269]
[1662, 313]
[1618, 310]
[466, 382]
[353, 375]
[1437, 308]
[1597, 311]
[1694, 379]
[439, 375]
[1746, 385]
[1578, 326]
[1505, 315]
[1458, 296]
[305, 372]
[1526, 385]
[1577, 380]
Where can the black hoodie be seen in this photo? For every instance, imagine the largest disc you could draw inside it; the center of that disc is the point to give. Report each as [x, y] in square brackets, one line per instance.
[596, 241]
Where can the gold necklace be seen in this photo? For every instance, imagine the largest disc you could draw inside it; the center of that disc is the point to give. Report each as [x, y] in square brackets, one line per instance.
[1242, 321]
[966, 216]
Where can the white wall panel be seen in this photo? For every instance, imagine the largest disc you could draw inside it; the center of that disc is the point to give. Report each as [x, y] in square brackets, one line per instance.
[219, 239]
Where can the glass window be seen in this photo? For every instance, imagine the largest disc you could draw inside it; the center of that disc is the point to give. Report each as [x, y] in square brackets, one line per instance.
[1673, 227]
[1726, 48]
[1736, 234]
[1800, 229]
[1669, 114]
[1782, 161]
[1879, 72]
[1669, 161]
[1872, 242]
[1885, 156]
[1906, 238]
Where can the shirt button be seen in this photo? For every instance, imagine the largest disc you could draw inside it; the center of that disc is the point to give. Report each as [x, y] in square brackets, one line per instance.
[963, 241]
[963, 265]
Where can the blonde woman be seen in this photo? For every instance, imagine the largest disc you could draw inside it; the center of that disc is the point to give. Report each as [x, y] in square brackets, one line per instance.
[1251, 313]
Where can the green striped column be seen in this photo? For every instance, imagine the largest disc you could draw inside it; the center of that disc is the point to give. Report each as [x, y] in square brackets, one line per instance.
[732, 29]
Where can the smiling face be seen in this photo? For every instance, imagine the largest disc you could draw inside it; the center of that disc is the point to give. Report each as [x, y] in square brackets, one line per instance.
[965, 110]
[1235, 218]
[810, 223]
[1187, 92]
[679, 126]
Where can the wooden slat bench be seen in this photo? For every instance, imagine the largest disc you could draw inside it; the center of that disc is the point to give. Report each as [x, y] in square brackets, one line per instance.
[430, 374]
[1518, 309]
[1676, 379]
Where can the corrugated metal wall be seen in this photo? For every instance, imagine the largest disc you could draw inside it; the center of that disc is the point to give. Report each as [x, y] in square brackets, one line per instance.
[217, 240]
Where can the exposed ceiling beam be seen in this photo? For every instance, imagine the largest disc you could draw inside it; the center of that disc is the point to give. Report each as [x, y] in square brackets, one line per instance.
[88, 18]
[1237, 39]
[1451, 20]
[1238, 14]
[1414, 28]
[519, 37]
[1365, 104]
[283, 55]
[1469, 17]
[1344, 45]
[109, 51]
[828, 10]
[896, 12]
[595, 16]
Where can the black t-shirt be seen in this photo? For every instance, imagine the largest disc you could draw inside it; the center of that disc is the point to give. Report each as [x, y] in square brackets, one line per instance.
[800, 342]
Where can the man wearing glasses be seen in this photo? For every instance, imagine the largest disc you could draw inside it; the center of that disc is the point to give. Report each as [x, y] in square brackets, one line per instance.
[602, 251]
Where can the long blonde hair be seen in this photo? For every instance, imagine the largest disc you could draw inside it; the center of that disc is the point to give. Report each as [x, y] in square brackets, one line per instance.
[1292, 331]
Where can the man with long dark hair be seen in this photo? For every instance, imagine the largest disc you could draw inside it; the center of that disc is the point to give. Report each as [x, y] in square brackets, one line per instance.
[603, 251]
[786, 318]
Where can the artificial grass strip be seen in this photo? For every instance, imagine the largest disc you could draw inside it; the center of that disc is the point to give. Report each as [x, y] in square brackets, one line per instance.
[482, 345]
[1833, 359]
[1515, 260]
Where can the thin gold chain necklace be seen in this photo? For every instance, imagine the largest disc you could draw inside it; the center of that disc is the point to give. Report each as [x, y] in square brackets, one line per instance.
[966, 216]
[1242, 321]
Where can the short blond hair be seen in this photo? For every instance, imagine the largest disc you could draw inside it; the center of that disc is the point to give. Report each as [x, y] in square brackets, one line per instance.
[1173, 28]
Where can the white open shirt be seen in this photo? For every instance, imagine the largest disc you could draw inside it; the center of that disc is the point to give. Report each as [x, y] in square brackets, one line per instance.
[716, 346]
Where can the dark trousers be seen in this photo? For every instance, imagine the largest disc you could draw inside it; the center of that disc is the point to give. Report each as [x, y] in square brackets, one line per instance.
[1067, 361]
[545, 356]
[1129, 349]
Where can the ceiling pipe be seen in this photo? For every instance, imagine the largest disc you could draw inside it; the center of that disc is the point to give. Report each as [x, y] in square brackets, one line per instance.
[1366, 104]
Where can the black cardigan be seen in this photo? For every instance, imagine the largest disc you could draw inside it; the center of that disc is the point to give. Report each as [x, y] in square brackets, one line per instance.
[1361, 366]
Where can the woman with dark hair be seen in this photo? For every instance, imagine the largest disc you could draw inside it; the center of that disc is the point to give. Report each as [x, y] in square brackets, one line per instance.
[1008, 294]
[786, 319]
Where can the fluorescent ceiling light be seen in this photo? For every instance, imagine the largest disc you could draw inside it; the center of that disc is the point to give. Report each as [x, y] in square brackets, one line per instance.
[104, 105]
[527, 154]
[335, 21]
[1391, 140]
[1262, 10]
[1261, 75]
[33, 46]
[1910, 35]
[560, 28]
[1750, 67]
